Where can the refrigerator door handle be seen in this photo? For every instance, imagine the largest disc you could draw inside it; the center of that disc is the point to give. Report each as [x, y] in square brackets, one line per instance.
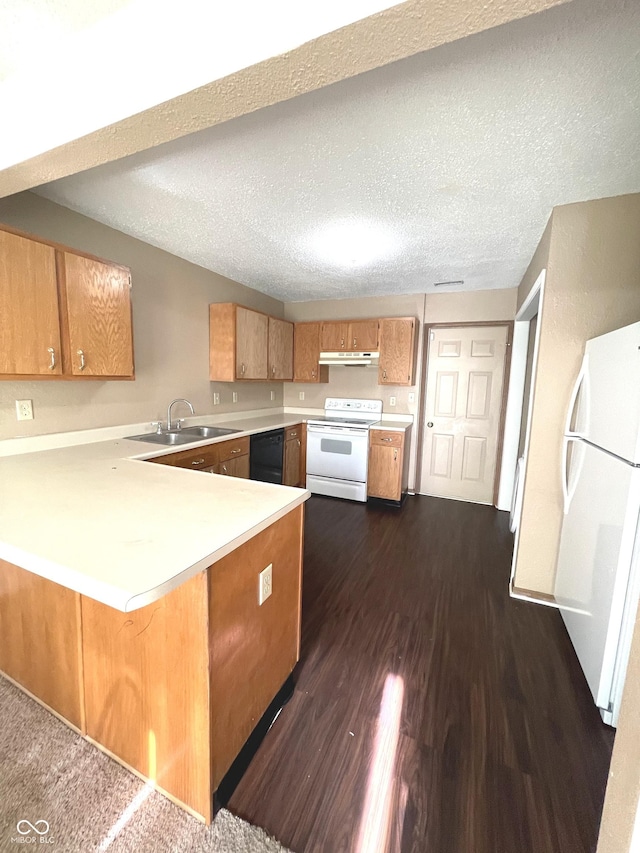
[570, 484]
[582, 382]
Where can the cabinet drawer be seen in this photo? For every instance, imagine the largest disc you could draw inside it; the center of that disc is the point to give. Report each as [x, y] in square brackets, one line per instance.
[386, 437]
[201, 457]
[230, 449]
[293, 432]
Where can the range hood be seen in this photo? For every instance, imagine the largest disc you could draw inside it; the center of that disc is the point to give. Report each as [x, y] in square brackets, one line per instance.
[350, 359]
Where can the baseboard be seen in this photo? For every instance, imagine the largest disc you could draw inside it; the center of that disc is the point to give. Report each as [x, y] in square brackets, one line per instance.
[535, 597]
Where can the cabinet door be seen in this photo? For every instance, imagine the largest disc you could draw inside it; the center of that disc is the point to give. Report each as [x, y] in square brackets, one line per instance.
[292, 455]
[252, 336]
[385, 471]
[397, 345]
[280, 349]
[98, 313]
[29, 321]
[238, 467]
[334, 337]
[306, 354]
[363, 336]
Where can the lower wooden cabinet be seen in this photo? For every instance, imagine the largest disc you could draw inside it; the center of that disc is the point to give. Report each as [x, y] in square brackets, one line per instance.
[295, 457]
[226, 457]
[388, 465]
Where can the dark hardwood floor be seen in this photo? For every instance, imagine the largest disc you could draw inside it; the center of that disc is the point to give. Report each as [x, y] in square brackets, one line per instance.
[429, 706]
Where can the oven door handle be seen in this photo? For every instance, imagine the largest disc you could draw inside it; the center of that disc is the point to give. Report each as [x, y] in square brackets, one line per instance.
[338, 431]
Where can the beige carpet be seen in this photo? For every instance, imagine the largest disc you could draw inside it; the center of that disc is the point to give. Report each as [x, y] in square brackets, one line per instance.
[48, 773]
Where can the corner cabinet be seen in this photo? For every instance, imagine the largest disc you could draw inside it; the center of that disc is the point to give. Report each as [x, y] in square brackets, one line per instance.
[248, 345]
[388, 474]
[65, 315]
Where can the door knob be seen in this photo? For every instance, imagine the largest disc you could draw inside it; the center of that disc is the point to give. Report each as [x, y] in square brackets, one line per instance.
[429, 423]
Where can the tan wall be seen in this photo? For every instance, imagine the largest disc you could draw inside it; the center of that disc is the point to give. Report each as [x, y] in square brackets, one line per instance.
[171, 333]
[592, 287]
[363, 382]
[539, 262]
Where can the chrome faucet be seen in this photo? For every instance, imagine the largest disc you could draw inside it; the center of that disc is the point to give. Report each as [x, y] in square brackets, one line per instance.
[171, 405]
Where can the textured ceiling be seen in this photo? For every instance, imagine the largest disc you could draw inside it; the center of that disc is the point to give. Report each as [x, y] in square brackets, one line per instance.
[452, 160]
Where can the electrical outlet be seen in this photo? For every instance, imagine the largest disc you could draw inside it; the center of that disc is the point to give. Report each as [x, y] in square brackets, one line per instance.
[216, 399]
[412, 397]
[273, 395]
[265, 584]
[235, 397]
[24, 410]
[392, 401]
[301, 395]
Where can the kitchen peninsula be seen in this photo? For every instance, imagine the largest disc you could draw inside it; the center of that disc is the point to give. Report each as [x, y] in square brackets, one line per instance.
[129, 605]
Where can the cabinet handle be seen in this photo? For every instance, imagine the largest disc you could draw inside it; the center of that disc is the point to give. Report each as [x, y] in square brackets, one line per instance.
[242, 369]
[83, 363]
[299, 445]
[224, 468]
[395, 455]
[198, 462]
[237, 450]
[293, 435]
[342, 343]
[313, 374]
[355, 343]
[384, 374]
[386, 439]
[273, 370]
[52, 354]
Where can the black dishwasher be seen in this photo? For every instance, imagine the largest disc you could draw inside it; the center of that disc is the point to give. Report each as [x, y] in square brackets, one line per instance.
[266, 458]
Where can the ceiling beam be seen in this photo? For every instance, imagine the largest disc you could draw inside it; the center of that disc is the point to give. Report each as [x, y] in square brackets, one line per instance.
[388, 36]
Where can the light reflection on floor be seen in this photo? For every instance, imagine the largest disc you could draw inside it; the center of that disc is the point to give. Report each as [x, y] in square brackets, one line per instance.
[375, 823]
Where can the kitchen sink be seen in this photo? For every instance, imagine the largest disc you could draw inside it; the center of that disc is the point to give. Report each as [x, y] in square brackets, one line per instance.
[208, 431]
[177, 437]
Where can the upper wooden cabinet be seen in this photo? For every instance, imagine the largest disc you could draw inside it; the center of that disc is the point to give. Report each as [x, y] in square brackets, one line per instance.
[98, 316]
[247, 344]
[280, 349]
[354, 336]
[306, 354]
[397, 351]
[64, 314]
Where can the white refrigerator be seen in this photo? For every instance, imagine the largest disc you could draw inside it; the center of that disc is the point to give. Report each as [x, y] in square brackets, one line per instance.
[598, 573]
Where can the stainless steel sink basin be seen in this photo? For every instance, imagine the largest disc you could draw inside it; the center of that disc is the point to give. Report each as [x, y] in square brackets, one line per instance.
[208, 431]
[167, 438]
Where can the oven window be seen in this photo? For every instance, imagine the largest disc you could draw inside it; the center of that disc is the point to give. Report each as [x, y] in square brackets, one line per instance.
[334, 445]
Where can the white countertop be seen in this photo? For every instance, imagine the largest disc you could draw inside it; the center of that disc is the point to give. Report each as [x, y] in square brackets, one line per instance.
[97, 519]
[397, 426]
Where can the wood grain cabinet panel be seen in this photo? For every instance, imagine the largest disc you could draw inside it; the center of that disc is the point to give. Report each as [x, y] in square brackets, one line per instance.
[236, 467]
[248, 345]
[252, 342]
[253, 648]
[306, 354]
[29, 320]
[280, 349]
[65, 314]
[334, 337]
[40, 640]
[292, 475]
[388, 465]
[146, 690]
[98, 313]
[363, 336]
[397, 351]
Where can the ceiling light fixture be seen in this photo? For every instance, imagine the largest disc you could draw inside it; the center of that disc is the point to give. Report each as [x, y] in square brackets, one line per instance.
[353, 243]
[446, 283]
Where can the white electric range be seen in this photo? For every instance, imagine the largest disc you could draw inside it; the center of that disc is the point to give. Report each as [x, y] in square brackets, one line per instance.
[338, 448]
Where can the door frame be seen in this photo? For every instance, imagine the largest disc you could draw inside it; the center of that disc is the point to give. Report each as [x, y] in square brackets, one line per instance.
[428, 327]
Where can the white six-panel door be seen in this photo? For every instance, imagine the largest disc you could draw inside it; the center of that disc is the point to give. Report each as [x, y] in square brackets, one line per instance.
[465, 376]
